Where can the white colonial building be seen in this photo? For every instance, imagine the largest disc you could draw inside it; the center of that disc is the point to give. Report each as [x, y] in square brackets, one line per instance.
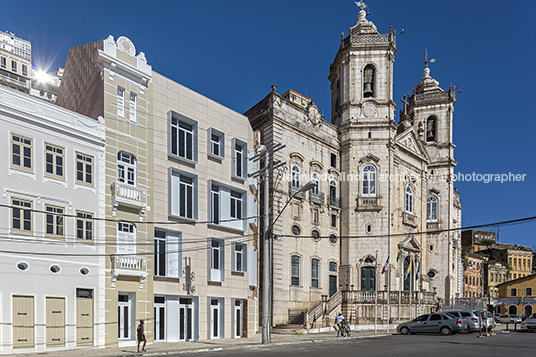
[52, 295]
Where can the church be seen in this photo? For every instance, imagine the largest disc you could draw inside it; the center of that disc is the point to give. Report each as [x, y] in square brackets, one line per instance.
[376, 238]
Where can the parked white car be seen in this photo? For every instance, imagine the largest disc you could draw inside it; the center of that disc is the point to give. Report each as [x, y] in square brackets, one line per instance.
[529, 324]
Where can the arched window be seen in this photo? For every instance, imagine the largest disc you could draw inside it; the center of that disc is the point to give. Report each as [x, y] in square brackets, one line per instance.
[316, 178]
[409, 199]
[295, 183]
[368, 81]
[431, 209]
[126, 168]
[431, 129]
[295, 270]
[528, 310]
[333, 193]
[512, 309]
[369, 181]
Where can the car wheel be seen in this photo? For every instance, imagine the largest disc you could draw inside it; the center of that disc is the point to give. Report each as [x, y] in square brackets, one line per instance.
[446, 331]
[464, 330]
[404, 331]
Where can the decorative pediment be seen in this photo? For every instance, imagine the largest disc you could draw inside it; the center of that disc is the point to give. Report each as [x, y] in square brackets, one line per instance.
[296, 158]
[411, 244]
[369, 158]
[434, 191]
[316, 165]
[409, 142]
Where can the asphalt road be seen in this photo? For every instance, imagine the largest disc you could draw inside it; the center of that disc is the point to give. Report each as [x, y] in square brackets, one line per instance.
[503, 345]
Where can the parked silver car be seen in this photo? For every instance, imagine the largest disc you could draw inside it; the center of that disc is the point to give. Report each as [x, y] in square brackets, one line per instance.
[438, 322]
[470, 317]
[529, 323]
[509, 319]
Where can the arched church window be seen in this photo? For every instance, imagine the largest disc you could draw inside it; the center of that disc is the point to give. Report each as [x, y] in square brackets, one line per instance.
[409, 199]
[431, 129]
[295, 177]
[333, 192]
[368, 81]
[369, 181]
[431, 209]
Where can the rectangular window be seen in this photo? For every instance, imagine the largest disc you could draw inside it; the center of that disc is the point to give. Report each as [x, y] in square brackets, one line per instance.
[216, 143]
[183, 137]
[3, 62]
[183, 201]
[295, 270]
[21, 153]
[334, 161]
[217, 259]
[54, 158]
[14, 66]
[215, 202]
[239, 158]
[133, 106]
[126, 238]
[126, 168]
[24, 70]
[315, 263]
[167, 253]
[84, 226]
[120, 102]
[513, 292]
[334, 220]
[240, 261]
[54, 222]
[84, 169]
[528, 291]
[22, 216]
[236, 205]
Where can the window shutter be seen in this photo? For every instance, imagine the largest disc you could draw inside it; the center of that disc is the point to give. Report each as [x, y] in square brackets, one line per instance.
[173, 193]
[225, 204]
[233, 256]
[252, 210]
[252, 266]
[245, 258]
[173, 255]
[244, 172]
[222, 260]
[233, 146]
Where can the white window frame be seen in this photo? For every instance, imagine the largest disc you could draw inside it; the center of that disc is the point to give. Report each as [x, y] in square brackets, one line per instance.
[180, 181]
[24, 70]
[3, 62]
[127, 168]
[514, 290]
[315, 274]
[167, 252]
[409, 199]
[432, 204]
[120, 102]
[55, 160]
[226, 208]
[240, 257]
[370, 186]
[296, 176]
[295, 262]
[239, 149]
[21, 215]
[527, 291]
[133, 106]
[216, 148]
[315, 176]
[185, 128]
[216, 259]
[13, 66]
[127, 238]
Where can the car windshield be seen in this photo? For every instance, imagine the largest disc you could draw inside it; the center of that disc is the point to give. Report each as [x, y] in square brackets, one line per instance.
[513, 315]
[533, 316]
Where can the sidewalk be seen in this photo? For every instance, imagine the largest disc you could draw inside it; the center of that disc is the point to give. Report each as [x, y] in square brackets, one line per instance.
[168, 348]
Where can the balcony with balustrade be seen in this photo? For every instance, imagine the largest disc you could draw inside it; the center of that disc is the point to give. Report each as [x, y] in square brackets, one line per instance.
[369, 203]
[128, 265]
[335, 202]
[410, 220]
[316, 197]
[128, 196]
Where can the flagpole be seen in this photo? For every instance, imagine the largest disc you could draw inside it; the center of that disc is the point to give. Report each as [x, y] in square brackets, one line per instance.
[388, 291]
[410, 287]
[419, 287]
[399, 284]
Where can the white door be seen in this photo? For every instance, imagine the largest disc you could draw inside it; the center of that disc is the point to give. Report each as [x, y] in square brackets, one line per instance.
[238, 319]
[186, 319]
[124, 321]
[159, 320]
[215, 318]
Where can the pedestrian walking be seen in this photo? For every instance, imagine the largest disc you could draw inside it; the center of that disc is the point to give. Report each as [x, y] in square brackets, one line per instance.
[141, 336]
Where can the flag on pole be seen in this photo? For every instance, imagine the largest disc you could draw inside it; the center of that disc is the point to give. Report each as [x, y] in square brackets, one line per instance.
[418, 271]
[386, 266]
[408, 271]
[399, 253]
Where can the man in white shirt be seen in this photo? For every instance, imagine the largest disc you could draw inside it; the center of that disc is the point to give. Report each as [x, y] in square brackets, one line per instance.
[338, 321]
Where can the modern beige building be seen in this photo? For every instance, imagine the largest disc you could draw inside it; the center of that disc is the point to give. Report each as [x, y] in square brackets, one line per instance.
[109, 78]
[205, 260]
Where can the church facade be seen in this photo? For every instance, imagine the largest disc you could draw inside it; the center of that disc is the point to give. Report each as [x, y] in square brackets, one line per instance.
[388, 187]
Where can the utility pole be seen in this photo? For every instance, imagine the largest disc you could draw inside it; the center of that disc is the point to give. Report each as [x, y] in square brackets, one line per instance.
[266, 172]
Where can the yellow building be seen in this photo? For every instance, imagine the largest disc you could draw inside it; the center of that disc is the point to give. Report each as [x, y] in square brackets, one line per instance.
[473, 286]
[517, 296]
[494, 274]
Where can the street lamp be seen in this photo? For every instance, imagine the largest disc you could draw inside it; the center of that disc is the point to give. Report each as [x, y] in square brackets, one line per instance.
[267, 263]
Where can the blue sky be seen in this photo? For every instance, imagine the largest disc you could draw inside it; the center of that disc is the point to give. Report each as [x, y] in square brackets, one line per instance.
[232, 51]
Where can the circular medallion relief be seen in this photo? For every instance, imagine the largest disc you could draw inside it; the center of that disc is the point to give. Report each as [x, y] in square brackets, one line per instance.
[125, 45]
[369, 110]
[432, 151]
